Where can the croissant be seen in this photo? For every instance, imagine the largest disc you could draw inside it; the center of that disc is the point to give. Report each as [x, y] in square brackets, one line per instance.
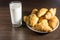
[53, 11]
[53, 22]
[34, 11]
[33, 19]
[26, 19]
[48, 15]
[42, 12]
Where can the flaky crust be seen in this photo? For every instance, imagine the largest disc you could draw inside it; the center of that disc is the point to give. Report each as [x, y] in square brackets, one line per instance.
[33, 19]
[34, 11]
[48, 15]
[53, 22]
[42, 12]
[26, 19]
[43, 26]
[44, 22]
[53, 11]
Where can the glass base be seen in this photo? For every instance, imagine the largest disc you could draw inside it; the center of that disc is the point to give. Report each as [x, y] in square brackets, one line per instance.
[16, 25]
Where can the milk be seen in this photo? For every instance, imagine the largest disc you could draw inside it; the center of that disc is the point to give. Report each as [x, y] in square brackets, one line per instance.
[16, 13]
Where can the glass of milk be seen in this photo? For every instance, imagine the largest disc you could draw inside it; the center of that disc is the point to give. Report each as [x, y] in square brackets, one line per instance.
[16, 13]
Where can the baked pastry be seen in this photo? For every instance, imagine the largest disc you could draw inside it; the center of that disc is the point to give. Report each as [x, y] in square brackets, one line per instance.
[53, 11]
[41, 18]
[42, 12]
[53, 22]
[48, 15]
[33, 19]
[26, 19]
[34, 11]
[44, 22]
[42, 26]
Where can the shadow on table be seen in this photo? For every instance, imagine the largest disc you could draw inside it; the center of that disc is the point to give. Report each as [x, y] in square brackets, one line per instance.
[27, 31]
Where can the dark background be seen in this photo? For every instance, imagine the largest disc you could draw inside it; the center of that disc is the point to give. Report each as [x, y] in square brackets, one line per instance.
[30, 4]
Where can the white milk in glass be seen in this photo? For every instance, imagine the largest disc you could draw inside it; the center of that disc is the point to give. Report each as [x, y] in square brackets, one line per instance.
[16, 13]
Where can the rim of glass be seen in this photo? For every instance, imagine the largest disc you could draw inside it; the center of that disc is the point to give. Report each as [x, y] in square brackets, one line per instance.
[15, 2]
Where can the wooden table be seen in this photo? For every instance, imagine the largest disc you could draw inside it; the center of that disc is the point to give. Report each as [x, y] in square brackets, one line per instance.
[7, 32]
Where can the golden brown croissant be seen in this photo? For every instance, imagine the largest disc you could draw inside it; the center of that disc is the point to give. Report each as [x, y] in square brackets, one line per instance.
[53, 11]
[41, 12]
[41, 18]
[48, 15]
[26, 19]
[33, 19]
[44, 22]
[34, 11]
[53, 22]
[42, 27]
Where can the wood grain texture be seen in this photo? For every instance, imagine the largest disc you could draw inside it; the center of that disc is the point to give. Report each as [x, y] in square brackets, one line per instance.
[7, 32]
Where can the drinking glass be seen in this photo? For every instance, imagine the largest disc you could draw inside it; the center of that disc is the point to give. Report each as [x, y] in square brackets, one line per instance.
[16, 13]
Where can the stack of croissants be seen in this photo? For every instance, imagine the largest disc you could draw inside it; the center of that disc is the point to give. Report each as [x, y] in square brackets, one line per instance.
[42, 20]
